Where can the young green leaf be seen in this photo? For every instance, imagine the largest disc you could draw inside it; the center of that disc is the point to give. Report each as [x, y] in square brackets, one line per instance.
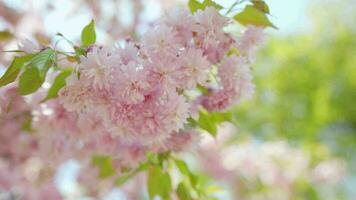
[30, 81]
[220, 117]
[195, 5]
[105, 165]
[206, 123]
[123, 179]
[183, 192]
[6, 35]
[35, 74]
[210, 3]
[182, 166]
[209, 121]
[27, 124]
[252, 16]
[158, 183]
[88, 34]
[261, 6]
[14, 69]
[59, 83]
[43, 61]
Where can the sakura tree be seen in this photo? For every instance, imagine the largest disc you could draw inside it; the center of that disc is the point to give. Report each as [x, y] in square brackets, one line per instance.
[126, 112]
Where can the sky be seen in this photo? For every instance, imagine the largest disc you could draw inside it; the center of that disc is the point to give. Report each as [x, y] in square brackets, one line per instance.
[289, 16]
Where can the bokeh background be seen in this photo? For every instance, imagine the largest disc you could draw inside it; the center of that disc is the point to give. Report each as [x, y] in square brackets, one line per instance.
[303, 114]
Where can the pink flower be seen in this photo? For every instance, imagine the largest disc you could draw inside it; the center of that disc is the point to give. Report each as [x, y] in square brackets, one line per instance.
[210, 20]
[132, 84]
[218, 100]
[164, 72]
[160, 40]
[235, 74]
[129, 53]
[251, 39]
[125, 102]
[181, 22]
[194, 69]
[98, 68]
[181, 141]
[76, 96]
[209, 34]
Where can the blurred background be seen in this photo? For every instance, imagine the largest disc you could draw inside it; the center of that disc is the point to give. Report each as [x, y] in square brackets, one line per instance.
[296, 139]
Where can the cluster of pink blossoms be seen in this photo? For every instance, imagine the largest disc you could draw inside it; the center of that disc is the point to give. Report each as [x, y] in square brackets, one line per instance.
[139, 91]
[126, 101]
[23, 173]
[134, 99]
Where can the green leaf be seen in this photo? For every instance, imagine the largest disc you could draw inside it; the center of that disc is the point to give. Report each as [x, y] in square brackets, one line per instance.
[79, 51]
[210, 3]
[261, 6]
[207, 124]
[209, 121]
[203, 89]
[43, 61]
[88, 34]
[27, 123]
[182, 166]
[35, 74]
[6, 35]
[105, 165]
[14, 69]
[158, 183]
[195, 5]
[59, 83]
[253, 16]
[183, 192]
[125, 177]
[220, 117]
[30, 81]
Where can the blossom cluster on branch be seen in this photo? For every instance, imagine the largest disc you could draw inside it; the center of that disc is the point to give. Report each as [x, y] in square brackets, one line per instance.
[119, 104]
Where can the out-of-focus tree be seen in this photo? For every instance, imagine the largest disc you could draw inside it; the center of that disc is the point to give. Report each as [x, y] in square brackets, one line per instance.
[306, 87]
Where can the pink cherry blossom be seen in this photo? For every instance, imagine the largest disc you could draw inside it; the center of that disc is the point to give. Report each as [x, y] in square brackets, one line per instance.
[124, 102]
[251, 39]
[98, 67]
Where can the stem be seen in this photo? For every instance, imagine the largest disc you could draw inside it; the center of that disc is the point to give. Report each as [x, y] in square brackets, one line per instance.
[232, 7]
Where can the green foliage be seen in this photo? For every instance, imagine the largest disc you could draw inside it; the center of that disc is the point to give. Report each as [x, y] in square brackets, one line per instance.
[30, 81]
[105, 165]
[88, 34]
[27, 124]
[261, 6]
[183, 168]
[306, 92]
[305, 191]
[183, 192]
[195, 5]
[59, 83]
[14, 69]
[127, 176]
[159, 183]
[209, 121]
[35, 73]
[252, 15]
[6, 35]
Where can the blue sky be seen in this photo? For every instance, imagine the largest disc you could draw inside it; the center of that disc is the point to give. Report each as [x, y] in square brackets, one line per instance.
[289, 15]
